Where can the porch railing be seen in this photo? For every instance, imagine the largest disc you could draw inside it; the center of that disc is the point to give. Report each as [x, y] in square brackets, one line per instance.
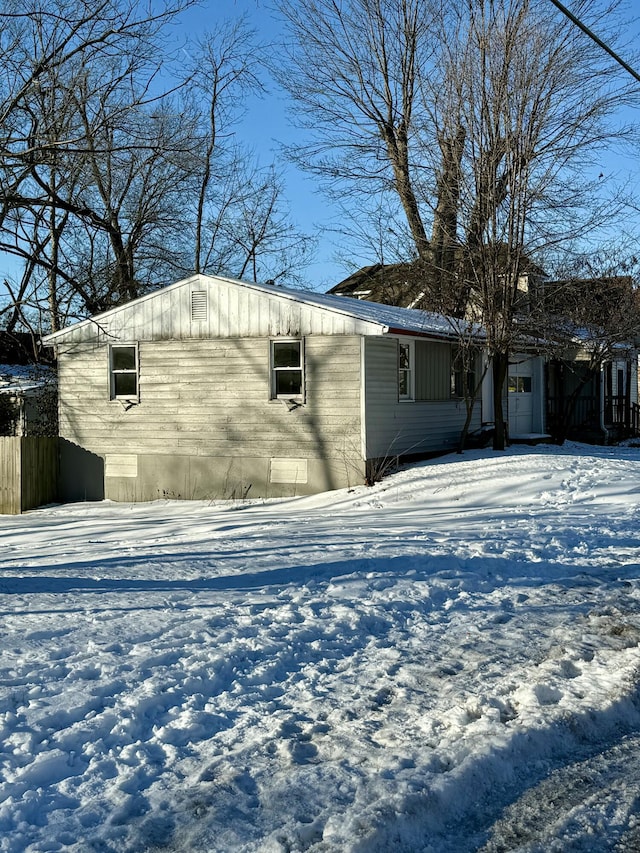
[619, 413]
[585, 412]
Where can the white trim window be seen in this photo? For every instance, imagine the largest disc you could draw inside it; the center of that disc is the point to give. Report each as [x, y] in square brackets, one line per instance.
[405, 370]
[287, 369]
[123, 372]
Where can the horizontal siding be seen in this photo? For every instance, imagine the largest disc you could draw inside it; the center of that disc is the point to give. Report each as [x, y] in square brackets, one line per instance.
[433, 371]
[397, 428]
[212, 398]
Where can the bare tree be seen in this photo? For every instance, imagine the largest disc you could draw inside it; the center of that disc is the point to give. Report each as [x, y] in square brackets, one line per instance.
[484, 118]
[77, 101]
[224, 72]
[241, 224]
[536, 104]
[119, 169]
[355, 69]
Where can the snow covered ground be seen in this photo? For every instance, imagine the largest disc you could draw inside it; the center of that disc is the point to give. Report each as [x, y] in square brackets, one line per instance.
[446, 662]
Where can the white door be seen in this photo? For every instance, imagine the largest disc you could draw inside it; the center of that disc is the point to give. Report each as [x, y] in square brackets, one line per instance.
[520, 385]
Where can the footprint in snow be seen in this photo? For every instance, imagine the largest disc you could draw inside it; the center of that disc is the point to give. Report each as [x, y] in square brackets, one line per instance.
[547, 695]
[569, 670]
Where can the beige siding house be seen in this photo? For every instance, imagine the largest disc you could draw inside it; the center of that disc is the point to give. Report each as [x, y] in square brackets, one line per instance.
[215, 388]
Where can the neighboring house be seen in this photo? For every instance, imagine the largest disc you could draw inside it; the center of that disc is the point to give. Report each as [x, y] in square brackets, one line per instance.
[28, 405]
[28, 426]
[605, 408]
[27, 401]
[401, 284]
[216, 388]
[416, 284]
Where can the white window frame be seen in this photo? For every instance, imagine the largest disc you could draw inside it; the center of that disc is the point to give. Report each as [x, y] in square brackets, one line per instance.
[407, 373]
[273, 370]
[113, 372]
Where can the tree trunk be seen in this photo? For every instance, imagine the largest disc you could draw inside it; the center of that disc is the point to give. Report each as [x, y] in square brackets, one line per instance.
[445, 220]
[398, 153]
[470, 398]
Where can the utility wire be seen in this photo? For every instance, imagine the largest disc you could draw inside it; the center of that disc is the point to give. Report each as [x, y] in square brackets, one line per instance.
[595, 38]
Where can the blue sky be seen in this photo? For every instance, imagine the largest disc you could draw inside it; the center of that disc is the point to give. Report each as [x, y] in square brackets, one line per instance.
[268, 125]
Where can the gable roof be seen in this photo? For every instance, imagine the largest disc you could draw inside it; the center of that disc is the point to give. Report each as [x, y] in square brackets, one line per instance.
[402, 284]
[416, 284]
[241, 309]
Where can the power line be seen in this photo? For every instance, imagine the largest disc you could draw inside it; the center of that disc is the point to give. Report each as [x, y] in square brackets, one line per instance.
[585, 29]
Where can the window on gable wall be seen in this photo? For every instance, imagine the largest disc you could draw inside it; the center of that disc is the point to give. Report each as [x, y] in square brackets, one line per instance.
[123, 372]
[287, 370]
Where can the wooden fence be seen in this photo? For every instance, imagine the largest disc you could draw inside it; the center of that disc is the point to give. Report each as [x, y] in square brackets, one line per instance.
[28, 473]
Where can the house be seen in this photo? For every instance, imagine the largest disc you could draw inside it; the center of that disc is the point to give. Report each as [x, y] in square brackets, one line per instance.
[27, 390]
[578, 394]
[28, 426]
[418, 284]
[401, 284]
[216, 388]
[27, 401]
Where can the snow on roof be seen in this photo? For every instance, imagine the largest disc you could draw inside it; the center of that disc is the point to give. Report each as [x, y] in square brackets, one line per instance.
[18, 378]
[395, 319]
[390, 318]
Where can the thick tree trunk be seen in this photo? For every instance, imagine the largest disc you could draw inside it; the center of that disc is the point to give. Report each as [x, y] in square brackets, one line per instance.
[445, 222]
[398, 153]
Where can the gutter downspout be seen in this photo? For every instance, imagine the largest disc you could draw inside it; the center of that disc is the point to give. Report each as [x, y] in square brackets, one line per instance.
[363, 403]
[602, 389]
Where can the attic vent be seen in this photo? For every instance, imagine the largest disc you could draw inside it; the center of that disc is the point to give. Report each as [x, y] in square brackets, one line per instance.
[199, 306]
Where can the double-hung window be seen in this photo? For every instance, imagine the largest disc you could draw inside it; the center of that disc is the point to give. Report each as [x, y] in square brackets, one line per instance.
[287, 370]
[405, 370]
[123, 372]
